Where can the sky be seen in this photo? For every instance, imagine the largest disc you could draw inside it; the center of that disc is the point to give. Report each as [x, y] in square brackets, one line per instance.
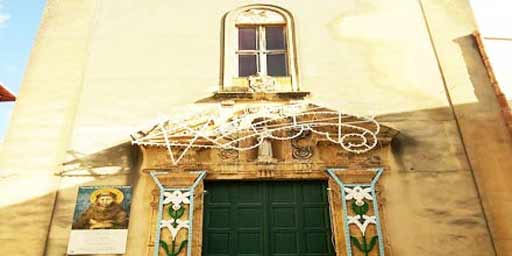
[494, 22]
[19, 23]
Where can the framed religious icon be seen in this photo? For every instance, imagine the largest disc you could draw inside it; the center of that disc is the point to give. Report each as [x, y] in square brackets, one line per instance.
[100, 220]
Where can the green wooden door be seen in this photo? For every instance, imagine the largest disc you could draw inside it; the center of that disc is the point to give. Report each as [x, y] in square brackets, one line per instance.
[266, 218]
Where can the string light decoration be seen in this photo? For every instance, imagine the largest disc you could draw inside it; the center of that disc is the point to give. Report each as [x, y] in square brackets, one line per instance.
[245, 127]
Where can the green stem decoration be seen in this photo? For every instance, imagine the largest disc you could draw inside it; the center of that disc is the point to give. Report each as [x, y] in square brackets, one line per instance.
[366, 247]
[363, 245]
[172, 250]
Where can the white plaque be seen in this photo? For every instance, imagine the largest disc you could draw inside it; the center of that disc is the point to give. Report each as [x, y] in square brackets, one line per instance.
[101, 241]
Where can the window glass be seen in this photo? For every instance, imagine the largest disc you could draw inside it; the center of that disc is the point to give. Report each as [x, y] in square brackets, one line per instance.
[247, 65]
[260, 44]
[247, 39]
[276, 65]
[275, 38]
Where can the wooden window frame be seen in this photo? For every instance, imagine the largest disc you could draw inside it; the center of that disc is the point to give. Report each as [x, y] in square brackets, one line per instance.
[229, 72]
[261, 50]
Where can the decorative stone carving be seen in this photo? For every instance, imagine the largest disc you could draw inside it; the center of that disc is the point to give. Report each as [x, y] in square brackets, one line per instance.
[228, 154]
[301, 152]
[265, 154]
[186, 158]
[260, 16]
[262, 83]
[374, 160]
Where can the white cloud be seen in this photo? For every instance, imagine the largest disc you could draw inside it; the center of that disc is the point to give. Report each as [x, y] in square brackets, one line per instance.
[4, 17]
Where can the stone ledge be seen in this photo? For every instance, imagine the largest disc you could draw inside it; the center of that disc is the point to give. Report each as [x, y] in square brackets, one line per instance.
[260, 95]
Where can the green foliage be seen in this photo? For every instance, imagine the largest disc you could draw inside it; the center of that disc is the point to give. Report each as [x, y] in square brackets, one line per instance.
[176, 214]
[365, 247]
[171, 250]
[165, 246]
[180, 212]
[182, 246]
[356, 243]
[171, 212]
[360, 210]
[372, 243]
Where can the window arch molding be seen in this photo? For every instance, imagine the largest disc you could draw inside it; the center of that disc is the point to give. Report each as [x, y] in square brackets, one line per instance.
[229, 46]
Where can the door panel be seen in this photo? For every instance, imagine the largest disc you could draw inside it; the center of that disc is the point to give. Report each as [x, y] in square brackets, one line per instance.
[266, 218]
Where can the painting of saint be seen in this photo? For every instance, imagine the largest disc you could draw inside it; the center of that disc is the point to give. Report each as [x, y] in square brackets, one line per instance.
[104, 209]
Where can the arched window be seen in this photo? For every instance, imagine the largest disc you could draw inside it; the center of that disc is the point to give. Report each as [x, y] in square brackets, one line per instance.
[259, 44]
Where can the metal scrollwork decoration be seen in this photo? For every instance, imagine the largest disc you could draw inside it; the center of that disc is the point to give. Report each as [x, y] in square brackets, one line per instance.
[360, 207]
[175, 202]
[363, 213]
[231, 128]
[175, 222]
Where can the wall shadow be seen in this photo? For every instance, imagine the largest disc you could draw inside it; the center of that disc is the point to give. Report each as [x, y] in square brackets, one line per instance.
[118, 159]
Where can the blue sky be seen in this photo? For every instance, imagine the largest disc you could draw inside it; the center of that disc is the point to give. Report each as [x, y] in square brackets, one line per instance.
[19, 23]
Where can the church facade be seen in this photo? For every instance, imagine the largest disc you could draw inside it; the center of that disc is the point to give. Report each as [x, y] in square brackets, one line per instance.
[259, 128]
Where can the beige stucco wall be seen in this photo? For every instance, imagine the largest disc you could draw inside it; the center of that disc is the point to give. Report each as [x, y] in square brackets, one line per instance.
[41, 126]
[101, 69]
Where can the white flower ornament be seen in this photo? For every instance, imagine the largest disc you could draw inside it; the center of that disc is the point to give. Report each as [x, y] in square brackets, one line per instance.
[358, 193]
[176, 198]
[362, 226]
[169, 224]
